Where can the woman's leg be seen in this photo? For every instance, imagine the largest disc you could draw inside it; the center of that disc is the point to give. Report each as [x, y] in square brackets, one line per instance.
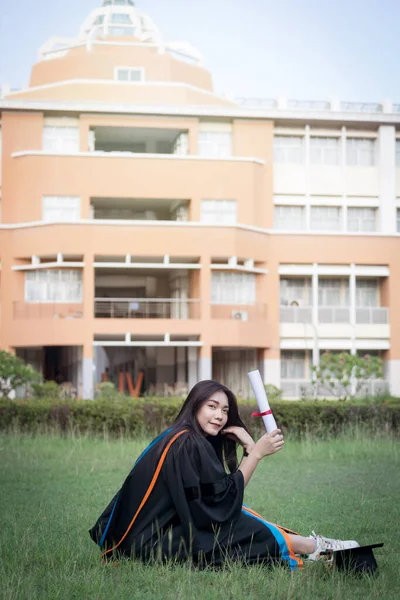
[302, 545]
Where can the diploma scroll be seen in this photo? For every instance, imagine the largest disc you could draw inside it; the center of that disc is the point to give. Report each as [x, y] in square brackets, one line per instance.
[262, 400]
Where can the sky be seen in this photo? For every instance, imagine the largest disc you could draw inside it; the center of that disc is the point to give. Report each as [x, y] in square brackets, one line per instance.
[301, 49]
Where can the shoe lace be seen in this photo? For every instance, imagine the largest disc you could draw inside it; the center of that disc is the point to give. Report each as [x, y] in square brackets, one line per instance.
[329, 543]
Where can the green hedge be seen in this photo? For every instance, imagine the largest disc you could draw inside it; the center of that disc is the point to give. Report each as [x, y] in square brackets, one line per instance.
[143, 416]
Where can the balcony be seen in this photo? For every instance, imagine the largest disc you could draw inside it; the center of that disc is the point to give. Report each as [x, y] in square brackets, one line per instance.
[370, 315]
[146, 308]
[47, 310]
[136, 209]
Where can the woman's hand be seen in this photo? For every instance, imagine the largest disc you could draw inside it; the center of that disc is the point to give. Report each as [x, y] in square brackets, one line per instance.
[269, 443]
[240, 436]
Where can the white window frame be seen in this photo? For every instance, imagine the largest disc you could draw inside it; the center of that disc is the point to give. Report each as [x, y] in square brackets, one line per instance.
[293, 365]
[367, 293]
[65, 208]
[336, 286]
[218, 212]
[355, 157]
[130, 69]
[229, 288]
[325, 151]
[358, 219]
[50, 286]
[215, 144]
[287, 152]
[61, 140]
[293, 289]
[282, 221]
[335, 225]
[397, 151]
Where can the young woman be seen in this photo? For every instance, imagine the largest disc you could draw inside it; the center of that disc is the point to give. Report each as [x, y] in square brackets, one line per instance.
[179, 502]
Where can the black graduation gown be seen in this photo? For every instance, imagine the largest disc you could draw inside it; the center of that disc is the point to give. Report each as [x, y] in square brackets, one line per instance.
[187, 508]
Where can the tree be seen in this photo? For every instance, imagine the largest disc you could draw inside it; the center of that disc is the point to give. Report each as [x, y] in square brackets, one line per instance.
[14, 372]
[346, 374]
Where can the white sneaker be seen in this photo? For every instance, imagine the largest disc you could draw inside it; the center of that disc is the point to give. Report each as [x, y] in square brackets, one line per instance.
[324, 545]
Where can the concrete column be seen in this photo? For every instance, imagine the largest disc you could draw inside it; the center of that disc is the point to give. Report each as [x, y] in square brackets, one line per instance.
[352, 296]
[392, 368]
[315, 320]
[387, 178]
[307, 177]
[271, 367]
[205, 363]
[88, 372]
[192, 366]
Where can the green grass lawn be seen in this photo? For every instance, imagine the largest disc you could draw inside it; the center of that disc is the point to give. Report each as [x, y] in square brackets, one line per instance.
[53, 489]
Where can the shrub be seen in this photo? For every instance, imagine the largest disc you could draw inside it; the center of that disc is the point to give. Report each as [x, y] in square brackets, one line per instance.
[143, 416]
[47, 389]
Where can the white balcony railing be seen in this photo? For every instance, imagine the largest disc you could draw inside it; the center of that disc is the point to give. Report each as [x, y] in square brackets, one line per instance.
[369, 315]
[303, 388]
[296, 314]
[334, 314]
[146, 308]
[372, 315]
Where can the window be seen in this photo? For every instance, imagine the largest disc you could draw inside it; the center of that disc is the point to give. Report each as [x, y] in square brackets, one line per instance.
[129, 74]
[216, 144]
[295, 290]
[53, 285]
[233, 288]
[293, 364]
[397, 153]
[289, 149]
[61, 139]
[361, 219]
[289, 217]
[366, 292]
[221, 212]
[121, 18]
[181, 145]
[325, 218]
[360, 152]
[333, 292]
[61, 208]
[324, 151]
[99, 20]
[398, 219]
[121, 31]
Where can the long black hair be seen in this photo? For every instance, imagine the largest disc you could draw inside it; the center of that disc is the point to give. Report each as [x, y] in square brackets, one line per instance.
[186, 419]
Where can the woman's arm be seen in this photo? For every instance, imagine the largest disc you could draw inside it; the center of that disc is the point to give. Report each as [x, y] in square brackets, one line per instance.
[268, 444]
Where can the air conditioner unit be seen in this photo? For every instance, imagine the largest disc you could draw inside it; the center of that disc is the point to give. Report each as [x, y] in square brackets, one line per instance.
[240, 315]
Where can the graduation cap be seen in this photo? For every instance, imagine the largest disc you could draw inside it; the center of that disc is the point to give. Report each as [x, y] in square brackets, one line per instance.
[356, 560]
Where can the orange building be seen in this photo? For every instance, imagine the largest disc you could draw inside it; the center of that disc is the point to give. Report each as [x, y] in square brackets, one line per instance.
[148, 224]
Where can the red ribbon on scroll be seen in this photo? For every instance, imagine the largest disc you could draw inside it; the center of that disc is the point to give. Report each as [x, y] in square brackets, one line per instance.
[263, 414]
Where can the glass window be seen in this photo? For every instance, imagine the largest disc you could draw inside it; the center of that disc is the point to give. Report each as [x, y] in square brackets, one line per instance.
[324, 151]
[295, 290]
[181, 145]
[366, 292]
[61, 139]
[53, 285]
[289, 149]
[61, 208]
[233, 288]
[218, 212]
[289, 217]
[99, 20]
[121, 31]
[325, 218]
[398, 219]
[397, 153]
[360, 152]
[333, 292]
[128, 74]
[293, 364]
[120, 18]
[216, 144]
[361, 219]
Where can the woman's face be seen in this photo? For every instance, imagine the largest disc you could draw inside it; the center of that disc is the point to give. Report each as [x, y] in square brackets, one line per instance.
[212, 416]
